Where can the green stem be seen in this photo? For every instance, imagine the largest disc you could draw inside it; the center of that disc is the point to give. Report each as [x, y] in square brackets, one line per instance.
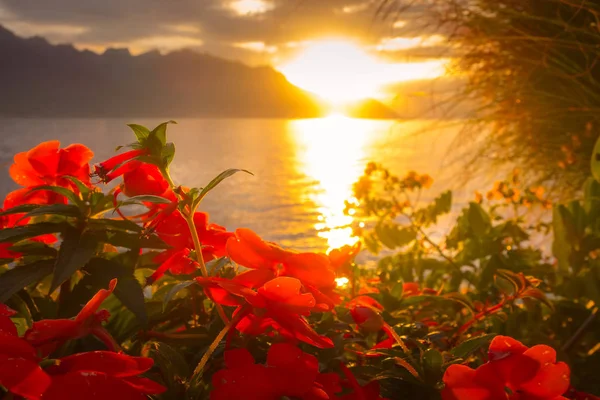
[198, 247]
[189, 218]
[211, 349]
[167, 176]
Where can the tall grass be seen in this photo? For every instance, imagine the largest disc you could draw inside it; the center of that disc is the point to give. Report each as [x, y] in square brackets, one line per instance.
[533, 68]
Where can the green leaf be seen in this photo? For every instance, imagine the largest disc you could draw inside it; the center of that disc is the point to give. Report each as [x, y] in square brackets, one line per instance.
[76, 249]
[22, 276]
[595, 163]
[397, 290]
[470, 346]
[222, 176]
[141, 132]
[99, 272]
[170, 362]
[214, 266]
[537, 294]
[174, 290]
[82, 187]
[32, 230]
[167, 154]
[561, 245]
[478, 219]
[432, 361]
[392, 237]
[130, 240]
[31, 248]
[145, 198]
[131, 294]
[23, 208]
[118, 224]
[66, 210]
[60, 190]
[160, 132]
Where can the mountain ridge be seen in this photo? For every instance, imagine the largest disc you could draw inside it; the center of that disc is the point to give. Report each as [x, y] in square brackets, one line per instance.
[39, 79]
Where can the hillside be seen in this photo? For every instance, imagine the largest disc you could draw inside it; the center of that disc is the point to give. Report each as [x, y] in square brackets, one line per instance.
[38, 79]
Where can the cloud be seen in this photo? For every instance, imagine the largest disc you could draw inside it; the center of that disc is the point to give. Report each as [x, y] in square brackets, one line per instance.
[248, 30]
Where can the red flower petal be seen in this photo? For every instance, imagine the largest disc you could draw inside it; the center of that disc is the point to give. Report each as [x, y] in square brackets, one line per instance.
[44, 158]
[298, 326]
[23, 377]
[7, 327]
[92, 306]
[23, 173]
[178, 263]
[15, 347]
[410, 289]
[248, 383]
[462, 383]
[144, 385]
[52, 331]
[551, 381]
[254, 278]
[91, 385]
[311, 268]
[249, 250]
[238, 358]
[144, 179]
[5, 311]
[112, 364]
[364, 301]
[504, 346]
[343, 256]
[74, 161]
[294, 372]
[284, 292]
[106, 166]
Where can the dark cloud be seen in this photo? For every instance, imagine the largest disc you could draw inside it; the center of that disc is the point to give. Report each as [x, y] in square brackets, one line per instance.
[144, 22]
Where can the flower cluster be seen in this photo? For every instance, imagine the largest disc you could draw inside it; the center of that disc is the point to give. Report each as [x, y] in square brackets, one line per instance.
[513, 372]
[90, 375]
[254, 319]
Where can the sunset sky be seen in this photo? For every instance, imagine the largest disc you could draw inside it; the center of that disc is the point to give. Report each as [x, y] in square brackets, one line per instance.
[320, 45]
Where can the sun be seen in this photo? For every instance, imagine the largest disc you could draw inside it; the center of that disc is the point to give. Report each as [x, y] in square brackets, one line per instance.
[341, 71]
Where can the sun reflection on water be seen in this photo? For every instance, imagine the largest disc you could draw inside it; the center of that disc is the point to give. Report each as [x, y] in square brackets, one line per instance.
[333, 152]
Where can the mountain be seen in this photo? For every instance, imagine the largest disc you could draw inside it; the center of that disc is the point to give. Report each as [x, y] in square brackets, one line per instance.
[38, 79]
[369, 108]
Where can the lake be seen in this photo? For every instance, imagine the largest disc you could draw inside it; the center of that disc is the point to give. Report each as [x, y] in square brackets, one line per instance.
[303, 169]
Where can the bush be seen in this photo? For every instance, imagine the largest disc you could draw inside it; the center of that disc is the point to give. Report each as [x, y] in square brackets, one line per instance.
[532, 80]
[160, 302]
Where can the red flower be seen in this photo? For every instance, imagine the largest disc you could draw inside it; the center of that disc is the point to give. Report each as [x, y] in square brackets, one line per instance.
[26, 196]
[20, 373]
[249, 250]
[341, 258]
[174, 230]
[101, 375]
[49, 334]
[96, 375]
[117, 165]
[177, 263]
[144, 179]
[513, 372]
[278, 304]
[314, 270]
[288, 372]
[366, 312]
[5, 251]
[413, 289]
[47, 164]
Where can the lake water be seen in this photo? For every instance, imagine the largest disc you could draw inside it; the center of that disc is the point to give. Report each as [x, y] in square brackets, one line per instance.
[303, 169]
